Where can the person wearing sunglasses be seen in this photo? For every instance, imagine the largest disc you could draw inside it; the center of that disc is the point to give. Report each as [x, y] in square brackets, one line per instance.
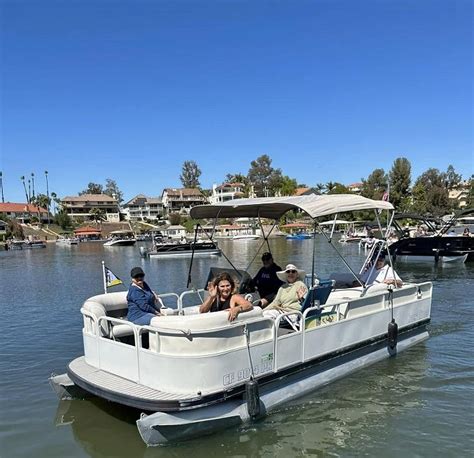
[291, 294]
[143, 303]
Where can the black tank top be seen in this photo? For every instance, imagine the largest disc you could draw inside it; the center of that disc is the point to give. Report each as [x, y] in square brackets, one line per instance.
[219, 305]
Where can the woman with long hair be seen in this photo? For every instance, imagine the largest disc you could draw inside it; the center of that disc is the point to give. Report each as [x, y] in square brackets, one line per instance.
[222, 297]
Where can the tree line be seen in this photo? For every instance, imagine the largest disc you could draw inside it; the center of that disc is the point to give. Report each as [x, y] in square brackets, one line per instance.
[429, 193]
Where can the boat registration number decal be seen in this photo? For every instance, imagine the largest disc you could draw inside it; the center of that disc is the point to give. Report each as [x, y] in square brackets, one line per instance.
[266, 365]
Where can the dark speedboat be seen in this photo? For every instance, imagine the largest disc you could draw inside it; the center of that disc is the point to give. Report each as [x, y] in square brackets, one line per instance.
[440, 242]
[172, 249]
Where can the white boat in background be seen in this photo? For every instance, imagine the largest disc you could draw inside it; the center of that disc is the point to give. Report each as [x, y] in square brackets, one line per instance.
[121, 238]
[246, 237]
[66, 241]
[199, 373]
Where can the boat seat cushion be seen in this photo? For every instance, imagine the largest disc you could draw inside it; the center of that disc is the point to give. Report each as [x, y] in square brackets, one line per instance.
[185, 339]
[201, 320]
[111, 304]
[122, 330]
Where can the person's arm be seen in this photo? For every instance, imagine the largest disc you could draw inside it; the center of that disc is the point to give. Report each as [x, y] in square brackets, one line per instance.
[207, 304]
[238, 304]
[301, 292]
[277, 301]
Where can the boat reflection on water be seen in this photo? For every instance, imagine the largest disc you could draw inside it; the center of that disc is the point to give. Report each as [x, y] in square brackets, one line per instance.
[92, 420]
[339, 417]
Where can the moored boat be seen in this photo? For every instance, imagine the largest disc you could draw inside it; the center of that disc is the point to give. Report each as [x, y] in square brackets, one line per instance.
[299, 236]
[200, 373]
[33, 244]
[436, 242]
[121, 238]
[183, 249]
[246, 237]
[67, 241]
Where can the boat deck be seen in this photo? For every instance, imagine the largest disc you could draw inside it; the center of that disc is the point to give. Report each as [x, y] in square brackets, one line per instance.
[118, 389]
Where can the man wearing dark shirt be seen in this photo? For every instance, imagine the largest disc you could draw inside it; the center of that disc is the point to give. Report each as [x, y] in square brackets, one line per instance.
[267, 281]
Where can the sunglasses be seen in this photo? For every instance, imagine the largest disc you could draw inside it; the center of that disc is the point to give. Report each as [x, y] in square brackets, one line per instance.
[291, 271]
[140, 278]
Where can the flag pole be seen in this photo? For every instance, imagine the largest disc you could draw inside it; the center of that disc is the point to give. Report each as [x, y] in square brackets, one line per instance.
[104, 277]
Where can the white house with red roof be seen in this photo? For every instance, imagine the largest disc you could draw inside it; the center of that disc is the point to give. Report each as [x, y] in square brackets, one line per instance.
[83, 207]
[181, 200]
[23, 213]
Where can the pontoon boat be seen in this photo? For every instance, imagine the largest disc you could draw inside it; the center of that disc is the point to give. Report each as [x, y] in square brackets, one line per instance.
[198, 373]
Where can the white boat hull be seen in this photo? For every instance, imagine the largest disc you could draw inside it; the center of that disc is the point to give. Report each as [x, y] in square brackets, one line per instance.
[246, 237]
[161, 427]
[443, 259]
[184, 254]
[125, 242]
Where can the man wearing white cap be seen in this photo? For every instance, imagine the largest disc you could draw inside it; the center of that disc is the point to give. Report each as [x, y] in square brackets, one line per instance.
[291, 294]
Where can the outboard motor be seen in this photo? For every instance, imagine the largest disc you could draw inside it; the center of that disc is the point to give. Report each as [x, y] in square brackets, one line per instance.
[143, 252]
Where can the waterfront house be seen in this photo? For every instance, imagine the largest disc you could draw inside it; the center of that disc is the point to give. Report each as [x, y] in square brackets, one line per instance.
[142, 208]
[181, 200]
[355, 188]
[91, 206]
[460, 194]
[226, 191]
[24, 213]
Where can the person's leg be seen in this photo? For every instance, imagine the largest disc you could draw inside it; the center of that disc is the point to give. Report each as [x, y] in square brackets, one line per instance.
[144, 320]
[273, 313]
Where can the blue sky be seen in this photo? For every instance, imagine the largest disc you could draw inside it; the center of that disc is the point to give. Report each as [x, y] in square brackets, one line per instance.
[329, 89]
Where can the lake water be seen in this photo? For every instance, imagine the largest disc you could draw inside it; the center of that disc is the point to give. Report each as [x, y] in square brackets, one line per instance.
[417, 404]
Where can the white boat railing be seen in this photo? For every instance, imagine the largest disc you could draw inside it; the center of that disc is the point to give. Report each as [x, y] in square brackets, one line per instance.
[165, 295]
[291, 347]
[199, 292]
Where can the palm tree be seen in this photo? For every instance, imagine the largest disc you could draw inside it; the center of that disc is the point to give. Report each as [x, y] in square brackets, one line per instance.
[330, 186]
[1, 186]
[22, 178]
[47, 191]
[97, 214]
[319, 188]
[33, 184]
